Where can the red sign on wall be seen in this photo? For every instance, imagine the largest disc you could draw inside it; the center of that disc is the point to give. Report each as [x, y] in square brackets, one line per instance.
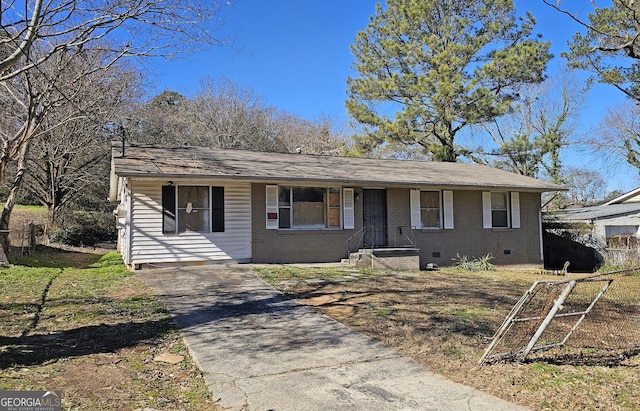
[272, 216]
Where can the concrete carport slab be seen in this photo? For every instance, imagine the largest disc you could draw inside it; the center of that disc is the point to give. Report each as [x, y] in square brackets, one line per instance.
[259, 350]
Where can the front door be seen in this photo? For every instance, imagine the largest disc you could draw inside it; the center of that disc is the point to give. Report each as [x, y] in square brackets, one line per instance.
[374, 202]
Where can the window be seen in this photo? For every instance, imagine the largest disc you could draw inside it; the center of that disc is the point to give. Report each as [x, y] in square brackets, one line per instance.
[501, 209]
[431, 209]
[620, 230]
[192, 208]
[621, 236]
[306, 208]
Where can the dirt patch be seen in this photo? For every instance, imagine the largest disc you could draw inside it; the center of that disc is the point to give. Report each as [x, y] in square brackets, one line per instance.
[123, 380]
[123, 293]
[445, 320]
[340, 311]
[105, 385]
[321, 300]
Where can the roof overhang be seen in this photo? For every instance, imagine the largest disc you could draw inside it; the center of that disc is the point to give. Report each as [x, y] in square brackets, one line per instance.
[197, 163]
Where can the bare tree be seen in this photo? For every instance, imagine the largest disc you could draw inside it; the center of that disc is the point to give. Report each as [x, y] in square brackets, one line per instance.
[294, 134]
[230, 116]
[618, 136]
[225, 115]
[72, 153]
[58, 32]
[137, 27]
[585, 186]
[531, 136]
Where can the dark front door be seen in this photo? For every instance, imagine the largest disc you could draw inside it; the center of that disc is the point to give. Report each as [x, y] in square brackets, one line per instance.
[374, 204]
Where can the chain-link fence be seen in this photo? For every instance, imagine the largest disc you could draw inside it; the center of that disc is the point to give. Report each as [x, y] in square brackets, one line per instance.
[588, 319]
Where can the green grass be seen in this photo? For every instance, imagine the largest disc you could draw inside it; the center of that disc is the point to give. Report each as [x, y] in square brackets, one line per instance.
[33, 208]
[383, 312]
[21, 295]
[69, 317]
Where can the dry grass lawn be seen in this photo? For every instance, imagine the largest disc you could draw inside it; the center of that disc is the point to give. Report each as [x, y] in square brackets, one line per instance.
[445, 320]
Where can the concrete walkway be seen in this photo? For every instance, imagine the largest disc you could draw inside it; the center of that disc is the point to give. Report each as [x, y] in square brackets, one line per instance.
[261, 351]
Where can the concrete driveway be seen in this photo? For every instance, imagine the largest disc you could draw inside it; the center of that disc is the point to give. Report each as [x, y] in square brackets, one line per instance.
[262, 351]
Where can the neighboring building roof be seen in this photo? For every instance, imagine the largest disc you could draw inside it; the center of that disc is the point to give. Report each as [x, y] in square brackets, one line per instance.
[187, 161]
[597, 212]
[631, 196]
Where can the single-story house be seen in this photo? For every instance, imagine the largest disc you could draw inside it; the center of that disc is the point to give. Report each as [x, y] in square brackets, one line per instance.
[193, 204]
[609, 232]
[617, 217]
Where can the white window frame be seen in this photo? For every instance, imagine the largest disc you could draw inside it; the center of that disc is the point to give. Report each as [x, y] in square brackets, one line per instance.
[513, 209]
[621, 229]
[445, 201]
[345, 212]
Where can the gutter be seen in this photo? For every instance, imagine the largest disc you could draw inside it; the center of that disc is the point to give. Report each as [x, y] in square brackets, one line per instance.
[326, 181]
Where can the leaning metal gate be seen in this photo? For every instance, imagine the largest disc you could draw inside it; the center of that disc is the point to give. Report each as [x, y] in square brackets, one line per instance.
[545, 317]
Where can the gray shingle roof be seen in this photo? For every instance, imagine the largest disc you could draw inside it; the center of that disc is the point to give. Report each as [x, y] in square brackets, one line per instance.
[176, 162]
[597, 212]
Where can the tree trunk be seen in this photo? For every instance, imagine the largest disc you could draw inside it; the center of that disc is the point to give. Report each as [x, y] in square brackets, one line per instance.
[5, 217]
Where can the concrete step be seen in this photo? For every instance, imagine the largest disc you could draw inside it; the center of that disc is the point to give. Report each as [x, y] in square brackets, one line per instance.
[386, 258]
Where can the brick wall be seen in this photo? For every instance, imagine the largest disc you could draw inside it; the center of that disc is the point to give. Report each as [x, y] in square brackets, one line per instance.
[508, 246]
[297, 246]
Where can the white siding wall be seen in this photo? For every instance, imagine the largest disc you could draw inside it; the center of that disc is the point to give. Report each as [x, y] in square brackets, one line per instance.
[599, 226]
[150, 245]
[122, 219]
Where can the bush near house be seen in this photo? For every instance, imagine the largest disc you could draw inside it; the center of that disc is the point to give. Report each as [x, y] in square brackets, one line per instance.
[85, 228]
[77, 228]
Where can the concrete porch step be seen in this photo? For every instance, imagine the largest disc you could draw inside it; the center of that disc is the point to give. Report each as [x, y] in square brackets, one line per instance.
[400, 258]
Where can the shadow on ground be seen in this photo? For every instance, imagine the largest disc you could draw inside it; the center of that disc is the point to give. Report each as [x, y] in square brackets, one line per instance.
[53, 257]
[37, 349]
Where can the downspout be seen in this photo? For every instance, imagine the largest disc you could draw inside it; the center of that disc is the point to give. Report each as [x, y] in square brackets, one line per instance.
[128, 225]
[541, 236]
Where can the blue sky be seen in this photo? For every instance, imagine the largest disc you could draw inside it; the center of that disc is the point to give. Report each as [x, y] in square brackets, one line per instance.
[295, 55]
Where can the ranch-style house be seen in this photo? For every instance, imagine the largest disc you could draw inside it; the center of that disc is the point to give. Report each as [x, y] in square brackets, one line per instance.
[199, 205]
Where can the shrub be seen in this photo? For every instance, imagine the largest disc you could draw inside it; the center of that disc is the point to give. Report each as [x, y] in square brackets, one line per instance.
[477, 264]
[85, 228]
[484, 263]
